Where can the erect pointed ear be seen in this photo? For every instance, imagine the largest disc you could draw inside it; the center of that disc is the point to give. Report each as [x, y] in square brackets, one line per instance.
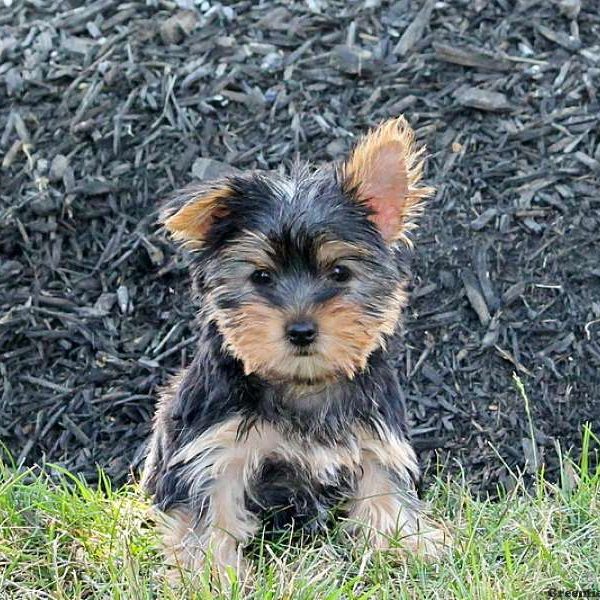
[383, 172]
[190, 214]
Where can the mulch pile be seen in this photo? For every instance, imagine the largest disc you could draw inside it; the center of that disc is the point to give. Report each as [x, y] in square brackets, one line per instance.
[107, 106]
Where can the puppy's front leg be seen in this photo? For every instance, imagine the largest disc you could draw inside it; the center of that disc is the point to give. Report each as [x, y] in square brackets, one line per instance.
[385, 506]
[212, 521]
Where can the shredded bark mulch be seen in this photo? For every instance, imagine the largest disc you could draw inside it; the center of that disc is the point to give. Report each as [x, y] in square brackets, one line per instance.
[107, 106]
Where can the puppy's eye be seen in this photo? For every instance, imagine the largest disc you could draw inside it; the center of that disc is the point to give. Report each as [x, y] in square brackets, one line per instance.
[261, 277]
[340, 273]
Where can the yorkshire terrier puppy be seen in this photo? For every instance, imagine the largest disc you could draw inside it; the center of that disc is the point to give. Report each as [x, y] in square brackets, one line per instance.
[292, 406]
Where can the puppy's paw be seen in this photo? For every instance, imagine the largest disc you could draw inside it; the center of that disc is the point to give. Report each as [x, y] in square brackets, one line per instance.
[228, 566]
[428, 540]
[216, 562]
[431, 541]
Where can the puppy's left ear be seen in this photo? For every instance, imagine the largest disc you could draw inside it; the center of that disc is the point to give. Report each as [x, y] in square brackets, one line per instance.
[383, 172]
[191, 213]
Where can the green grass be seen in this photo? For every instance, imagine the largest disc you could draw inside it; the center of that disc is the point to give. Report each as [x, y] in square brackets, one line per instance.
[60, 538]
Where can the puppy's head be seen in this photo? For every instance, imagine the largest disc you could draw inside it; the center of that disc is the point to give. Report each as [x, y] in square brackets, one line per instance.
[300, 273]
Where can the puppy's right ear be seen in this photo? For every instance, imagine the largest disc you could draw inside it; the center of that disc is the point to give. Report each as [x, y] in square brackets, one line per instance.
[191, 213]
[383, 173]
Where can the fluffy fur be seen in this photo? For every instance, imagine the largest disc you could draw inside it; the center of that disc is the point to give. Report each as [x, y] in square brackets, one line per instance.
[262, 430]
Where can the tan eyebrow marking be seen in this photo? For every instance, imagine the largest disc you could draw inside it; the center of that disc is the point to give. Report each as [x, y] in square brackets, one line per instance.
[253, 248]
[331, 251]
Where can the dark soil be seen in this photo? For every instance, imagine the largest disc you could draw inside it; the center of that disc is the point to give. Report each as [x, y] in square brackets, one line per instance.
[107, 106]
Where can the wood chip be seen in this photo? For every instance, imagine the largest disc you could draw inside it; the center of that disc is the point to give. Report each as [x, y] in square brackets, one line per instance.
[470, 57]
[482, 99]
[414, 32]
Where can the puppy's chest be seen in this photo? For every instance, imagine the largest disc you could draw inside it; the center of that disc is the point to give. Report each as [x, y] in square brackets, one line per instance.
[304, 487]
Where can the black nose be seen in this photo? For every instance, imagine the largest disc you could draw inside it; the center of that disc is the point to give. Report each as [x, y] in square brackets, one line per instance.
[301, 333]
